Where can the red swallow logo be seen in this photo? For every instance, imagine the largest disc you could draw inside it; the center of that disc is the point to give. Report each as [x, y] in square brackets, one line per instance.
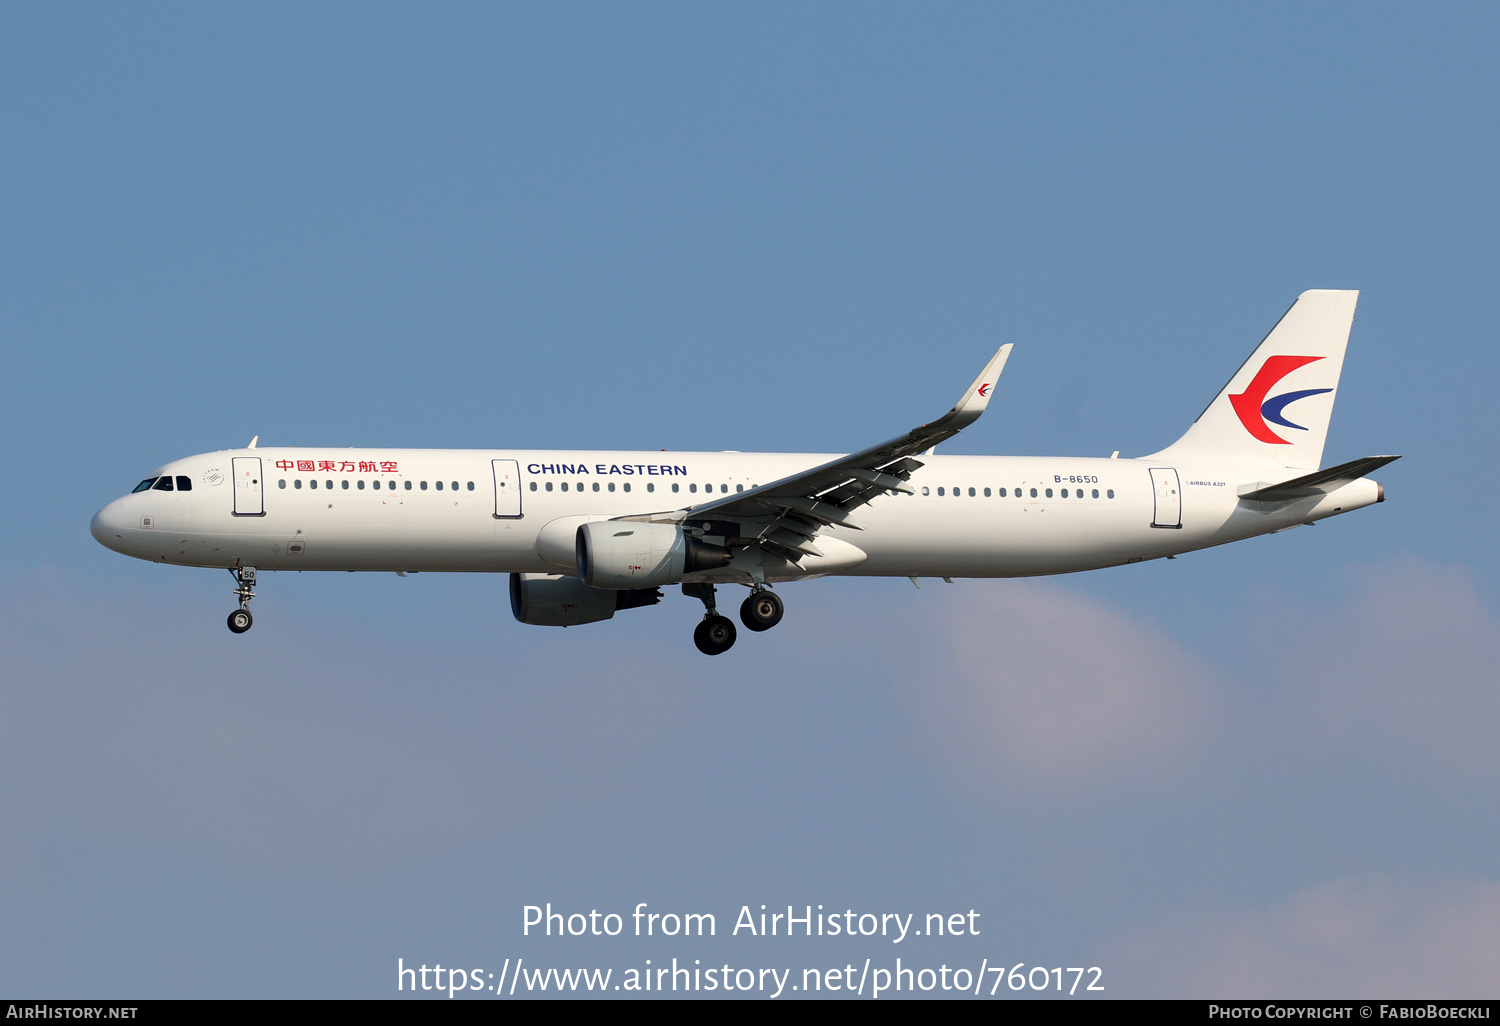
[1257, 412]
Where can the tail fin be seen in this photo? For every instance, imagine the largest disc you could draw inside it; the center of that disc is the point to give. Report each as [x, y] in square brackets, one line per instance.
[1278, 404]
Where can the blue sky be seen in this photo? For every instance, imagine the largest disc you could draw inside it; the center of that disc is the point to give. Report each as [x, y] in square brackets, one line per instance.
[776, 227]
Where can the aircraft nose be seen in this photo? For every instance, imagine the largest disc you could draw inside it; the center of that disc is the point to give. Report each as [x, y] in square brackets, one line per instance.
[108, 525]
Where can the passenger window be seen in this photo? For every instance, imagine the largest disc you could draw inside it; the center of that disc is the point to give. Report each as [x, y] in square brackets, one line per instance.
[627, 486]
[986, 493]
[971, 492]
[439, 485]
[549, 486]
[184, 484]
[471, 486]
[1111, 493]
[408, 486]
[346, 484]
[739, 488]
[361, 485]
[925, 492]
[328, 484]
[164, 484]
[392, 486]
[1033, 493]
[1049, 493]
[940, 491]
[533, 486]
[312, 483]
[296, 482]
[1064, 493]
[596, 486]
[143, 485]
[1096, 493]
[611, 486]
[692, 488]
[650, 486]
[564, 485]
[723, 488]
[423, 486]
[281, 483]
[675, 486]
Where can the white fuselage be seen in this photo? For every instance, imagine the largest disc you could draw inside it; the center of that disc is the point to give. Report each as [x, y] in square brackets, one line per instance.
[448, 510]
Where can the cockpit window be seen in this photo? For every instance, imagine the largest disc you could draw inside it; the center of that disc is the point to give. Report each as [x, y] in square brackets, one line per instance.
[184, 483]
[143, 485]
[164, 484]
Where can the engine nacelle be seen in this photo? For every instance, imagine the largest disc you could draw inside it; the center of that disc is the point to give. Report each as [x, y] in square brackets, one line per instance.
[552, 600]
[627, 554]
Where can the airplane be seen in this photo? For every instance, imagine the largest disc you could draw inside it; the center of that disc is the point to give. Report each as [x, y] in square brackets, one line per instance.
[584, 535]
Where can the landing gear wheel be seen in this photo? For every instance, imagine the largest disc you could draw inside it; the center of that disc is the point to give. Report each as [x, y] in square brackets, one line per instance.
[762, 610]
[244, 580]
[715, 634]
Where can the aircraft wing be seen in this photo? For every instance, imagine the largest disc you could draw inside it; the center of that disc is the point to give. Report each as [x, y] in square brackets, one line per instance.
[788, 513]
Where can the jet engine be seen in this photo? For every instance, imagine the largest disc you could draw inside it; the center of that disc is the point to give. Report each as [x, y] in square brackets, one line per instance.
[626, 554]
[552, 600]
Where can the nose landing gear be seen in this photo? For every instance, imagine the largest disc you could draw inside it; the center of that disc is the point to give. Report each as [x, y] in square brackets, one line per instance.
[714, 634]
[240, 620]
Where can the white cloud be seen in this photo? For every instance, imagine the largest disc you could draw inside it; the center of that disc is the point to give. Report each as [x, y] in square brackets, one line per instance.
[1369, 937]
[1047, 689]
[1407, 664]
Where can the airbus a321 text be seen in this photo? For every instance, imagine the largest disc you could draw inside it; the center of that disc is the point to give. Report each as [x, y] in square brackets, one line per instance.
[585, 535]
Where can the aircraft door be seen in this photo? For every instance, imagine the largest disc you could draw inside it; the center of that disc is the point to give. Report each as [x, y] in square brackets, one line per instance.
[249, 497]
[507, 488]
[1168, 491]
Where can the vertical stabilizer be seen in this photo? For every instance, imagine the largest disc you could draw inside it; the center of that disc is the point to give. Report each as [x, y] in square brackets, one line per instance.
[1278, 404]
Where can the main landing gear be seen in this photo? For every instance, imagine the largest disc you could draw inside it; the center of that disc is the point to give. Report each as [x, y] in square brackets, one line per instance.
[716, 634]
[762, 610]
[240, 620]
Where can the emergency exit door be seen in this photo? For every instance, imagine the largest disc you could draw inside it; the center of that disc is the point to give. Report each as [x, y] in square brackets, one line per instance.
[507, 488]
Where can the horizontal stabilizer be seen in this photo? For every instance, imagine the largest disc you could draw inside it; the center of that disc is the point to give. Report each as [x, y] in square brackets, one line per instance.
[1319, 482]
